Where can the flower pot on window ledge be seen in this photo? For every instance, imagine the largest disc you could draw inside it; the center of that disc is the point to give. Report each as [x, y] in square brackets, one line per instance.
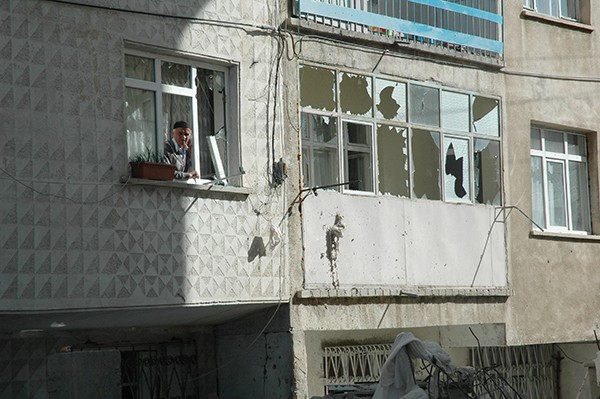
[152, 170]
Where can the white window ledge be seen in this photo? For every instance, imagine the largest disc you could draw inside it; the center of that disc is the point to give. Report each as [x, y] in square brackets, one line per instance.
[206, 188]
[564, 236]
[404, 292]
[530, 14]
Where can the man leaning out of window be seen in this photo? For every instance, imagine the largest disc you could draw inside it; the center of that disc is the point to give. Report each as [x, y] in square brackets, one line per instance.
[178, 150]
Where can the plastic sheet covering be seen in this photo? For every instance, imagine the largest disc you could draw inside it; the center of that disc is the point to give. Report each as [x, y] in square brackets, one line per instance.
[397, 377]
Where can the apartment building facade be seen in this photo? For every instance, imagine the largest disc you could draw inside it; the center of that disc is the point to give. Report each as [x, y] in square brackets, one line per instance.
[366, 168]
[114, 286]
[449, 189]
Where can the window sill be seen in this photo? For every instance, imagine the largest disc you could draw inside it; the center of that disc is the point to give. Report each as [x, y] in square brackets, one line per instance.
[529, 14]
[564, 236]
[204, 188]
[417, 292]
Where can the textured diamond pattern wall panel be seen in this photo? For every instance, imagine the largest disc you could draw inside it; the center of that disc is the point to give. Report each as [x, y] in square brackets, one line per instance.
[71, 235]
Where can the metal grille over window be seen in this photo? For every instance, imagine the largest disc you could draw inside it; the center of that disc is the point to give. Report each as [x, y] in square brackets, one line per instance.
[502, 371]
[159, 371]
[346, 365]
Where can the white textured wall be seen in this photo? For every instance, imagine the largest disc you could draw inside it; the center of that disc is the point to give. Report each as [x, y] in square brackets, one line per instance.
[71, 235]
[389, 241]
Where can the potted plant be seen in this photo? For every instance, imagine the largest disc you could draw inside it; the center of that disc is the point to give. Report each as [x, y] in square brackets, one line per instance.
[151, 165]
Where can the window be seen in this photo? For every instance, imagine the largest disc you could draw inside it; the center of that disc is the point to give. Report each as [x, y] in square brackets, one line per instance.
[374, 135]
[559, 180]
[568, 9]
[161, 91]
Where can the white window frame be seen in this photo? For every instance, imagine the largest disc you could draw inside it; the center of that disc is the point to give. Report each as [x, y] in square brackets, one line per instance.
[556, 8]
[221, 166]
[471, 135]
[563, 159]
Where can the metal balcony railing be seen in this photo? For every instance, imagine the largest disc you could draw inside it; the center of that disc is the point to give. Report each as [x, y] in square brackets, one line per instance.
[474, 26]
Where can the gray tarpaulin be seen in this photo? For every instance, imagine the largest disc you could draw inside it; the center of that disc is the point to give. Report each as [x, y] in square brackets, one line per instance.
[397, 377]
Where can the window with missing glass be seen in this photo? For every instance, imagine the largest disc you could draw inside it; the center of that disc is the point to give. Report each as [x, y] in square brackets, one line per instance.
[398, 137]
[161, 90]
[559, 180]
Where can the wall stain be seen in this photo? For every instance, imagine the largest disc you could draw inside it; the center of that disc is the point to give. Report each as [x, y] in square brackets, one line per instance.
[332, 238]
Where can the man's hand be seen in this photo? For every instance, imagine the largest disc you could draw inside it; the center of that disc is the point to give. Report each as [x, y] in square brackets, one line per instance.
[194, 174]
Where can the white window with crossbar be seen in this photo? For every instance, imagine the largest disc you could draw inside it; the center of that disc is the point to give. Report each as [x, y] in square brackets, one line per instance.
[559, 180]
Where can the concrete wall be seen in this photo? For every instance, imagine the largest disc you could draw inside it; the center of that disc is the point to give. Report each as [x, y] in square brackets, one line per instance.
[37, 364]
[554, 278]
[383, 243]
[71, 234]
[94, 375]
[255, 356]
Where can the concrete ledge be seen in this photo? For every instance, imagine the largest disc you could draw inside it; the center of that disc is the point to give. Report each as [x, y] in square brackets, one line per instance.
[206, 188]
[530, 14]
[390, 42]
[366, 292]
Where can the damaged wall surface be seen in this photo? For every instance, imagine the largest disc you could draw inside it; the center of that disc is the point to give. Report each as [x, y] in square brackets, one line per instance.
[387, 241]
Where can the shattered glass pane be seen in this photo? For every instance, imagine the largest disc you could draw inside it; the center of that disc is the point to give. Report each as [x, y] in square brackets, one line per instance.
[392, 155]
[486, 116]
[424, 105]
[456, 168]
[537, 190]
[486, 159]
[425, 147]
[355, 94]
[455, 111]
[317, 88]
[357, 156]
[391, 100]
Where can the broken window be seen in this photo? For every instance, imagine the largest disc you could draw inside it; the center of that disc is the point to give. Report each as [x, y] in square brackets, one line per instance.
[486, 165]
[425, 164]
[391, 100]
[431, 143]
[456, 168]
[355, 94]
[559, 180]
[486, 116]
[317, 88]
[392, 152]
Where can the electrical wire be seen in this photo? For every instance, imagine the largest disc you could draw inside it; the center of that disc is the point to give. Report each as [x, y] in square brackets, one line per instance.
[567, 356]
[238, 25]
[64, 197]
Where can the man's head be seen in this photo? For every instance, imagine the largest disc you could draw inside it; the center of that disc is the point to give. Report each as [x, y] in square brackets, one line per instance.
[181, 133]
